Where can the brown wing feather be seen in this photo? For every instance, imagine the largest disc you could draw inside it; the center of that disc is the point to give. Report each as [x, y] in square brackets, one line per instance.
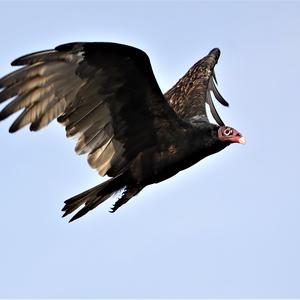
[190, 94]
[104, 93]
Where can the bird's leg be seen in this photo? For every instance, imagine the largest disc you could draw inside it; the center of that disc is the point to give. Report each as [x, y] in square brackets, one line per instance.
[128, 193]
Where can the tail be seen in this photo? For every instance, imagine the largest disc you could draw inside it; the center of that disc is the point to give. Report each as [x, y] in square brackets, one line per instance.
[93, 197]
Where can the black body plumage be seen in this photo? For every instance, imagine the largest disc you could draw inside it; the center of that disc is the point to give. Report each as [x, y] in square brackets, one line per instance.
[107, 96]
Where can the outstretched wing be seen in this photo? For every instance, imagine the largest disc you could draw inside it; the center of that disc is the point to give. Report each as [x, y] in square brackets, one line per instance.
[190, 94]
[104, 93]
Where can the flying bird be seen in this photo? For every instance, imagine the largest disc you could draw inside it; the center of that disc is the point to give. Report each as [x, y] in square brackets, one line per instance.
[106, 95]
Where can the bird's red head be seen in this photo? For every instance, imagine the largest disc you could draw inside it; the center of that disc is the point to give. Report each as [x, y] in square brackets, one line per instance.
[229, 134]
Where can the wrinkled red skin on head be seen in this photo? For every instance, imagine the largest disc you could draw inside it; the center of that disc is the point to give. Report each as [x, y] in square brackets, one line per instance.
[233, 138]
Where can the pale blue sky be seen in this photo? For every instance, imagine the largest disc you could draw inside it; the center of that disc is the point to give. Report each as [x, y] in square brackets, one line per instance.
[227, 227]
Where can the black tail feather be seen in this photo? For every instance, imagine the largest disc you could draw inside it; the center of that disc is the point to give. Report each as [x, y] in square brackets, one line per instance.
[93, 197]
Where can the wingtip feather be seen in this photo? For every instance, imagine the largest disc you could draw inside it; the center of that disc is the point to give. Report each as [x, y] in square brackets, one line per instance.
[13, 128]
[217, 94]
[20, 60]
[16, 62]
[3, 116]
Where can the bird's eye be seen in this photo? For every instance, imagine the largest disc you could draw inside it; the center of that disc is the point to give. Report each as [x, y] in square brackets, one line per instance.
[228, 131]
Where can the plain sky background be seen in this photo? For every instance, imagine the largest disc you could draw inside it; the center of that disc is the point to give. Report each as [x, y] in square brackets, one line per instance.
[227, 227]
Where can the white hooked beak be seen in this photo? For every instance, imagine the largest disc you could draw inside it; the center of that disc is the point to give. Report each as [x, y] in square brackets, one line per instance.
[242, 140]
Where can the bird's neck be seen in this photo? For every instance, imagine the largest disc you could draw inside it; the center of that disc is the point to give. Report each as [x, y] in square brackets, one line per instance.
[205, 141]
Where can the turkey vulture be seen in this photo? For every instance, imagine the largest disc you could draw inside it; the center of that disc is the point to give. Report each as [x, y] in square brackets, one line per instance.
[106, 95]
